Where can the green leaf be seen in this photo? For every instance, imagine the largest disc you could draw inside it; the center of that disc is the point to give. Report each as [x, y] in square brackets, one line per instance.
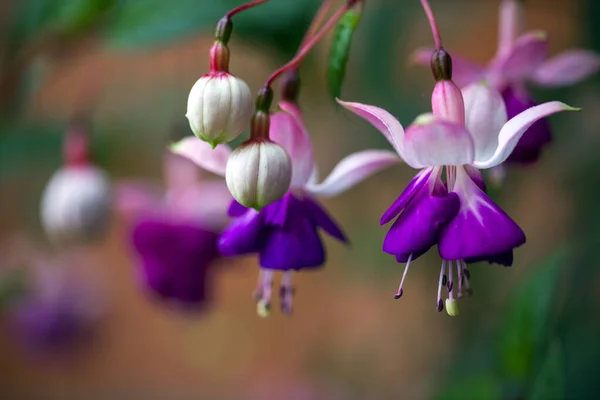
[472, 387]
[523, 337]
[135, 23]
[339, 52]
[549, 384]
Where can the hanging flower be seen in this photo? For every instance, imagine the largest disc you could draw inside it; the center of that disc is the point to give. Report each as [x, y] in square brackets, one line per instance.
[174, 233]
[459, 138]
[519, 61]
[285, 234]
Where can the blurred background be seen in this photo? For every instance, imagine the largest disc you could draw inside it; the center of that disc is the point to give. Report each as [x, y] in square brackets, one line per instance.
[530, 331]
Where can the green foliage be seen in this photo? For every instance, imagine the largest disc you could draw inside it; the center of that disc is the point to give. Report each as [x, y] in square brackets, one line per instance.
[473, 387]
[339, 52]
[13, 285]
[522, 341]
[549, 382]
[135, 24]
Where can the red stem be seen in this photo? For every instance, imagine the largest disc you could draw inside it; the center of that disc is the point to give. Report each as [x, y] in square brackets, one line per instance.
[244, 7]
[434, 28]
[293, 63]
[317, 20]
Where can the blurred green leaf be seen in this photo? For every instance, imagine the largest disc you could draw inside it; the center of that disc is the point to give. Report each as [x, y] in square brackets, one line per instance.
[13, 286]
[549, 384]
[524, 334]
[339, 52]
[473, 387]
[33, 18]
[134, 23]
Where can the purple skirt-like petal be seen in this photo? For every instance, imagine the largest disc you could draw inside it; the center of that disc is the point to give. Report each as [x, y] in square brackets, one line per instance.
[538, 135]
[480, 231]
[174, 258]
[417, 229]
[285, 234]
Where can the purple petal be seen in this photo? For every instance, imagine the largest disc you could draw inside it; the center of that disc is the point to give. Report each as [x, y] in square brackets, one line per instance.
[276, 214]
[245, 234]
[295, 246]
[476, 176]
[538, 135]
[481, 229]
[413, 187]
[321, 219]
[417, 228]
[287, 129]
[353, 169]
[505, 259]
[567, 68]
[236, 209]
[434, 142]
[174, 257]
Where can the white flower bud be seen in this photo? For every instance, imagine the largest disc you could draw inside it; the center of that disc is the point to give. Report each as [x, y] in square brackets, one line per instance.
[219, 107]
[258, 173]
[76, 205]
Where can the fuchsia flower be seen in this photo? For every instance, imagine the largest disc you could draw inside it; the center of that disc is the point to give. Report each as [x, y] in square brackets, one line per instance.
[458, 138]
[174, 234]
[285, 234]
[521, 60]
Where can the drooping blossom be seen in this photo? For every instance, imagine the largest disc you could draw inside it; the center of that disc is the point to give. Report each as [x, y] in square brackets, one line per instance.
[522, 60]
[76, 204]
[466, 132]
[173, 231]
[56, 301]
[285, 234]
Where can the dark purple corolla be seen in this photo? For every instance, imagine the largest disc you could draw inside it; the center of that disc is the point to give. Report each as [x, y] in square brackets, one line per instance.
[175, 235]
[285, 234]
[461, 136]
[520, 60]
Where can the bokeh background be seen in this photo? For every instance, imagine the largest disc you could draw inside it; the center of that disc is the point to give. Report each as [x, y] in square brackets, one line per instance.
[529, 332]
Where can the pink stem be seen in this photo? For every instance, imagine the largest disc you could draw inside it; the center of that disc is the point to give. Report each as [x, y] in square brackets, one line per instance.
[317, 20]
[244, 7]
[434, 28]
[293, 63]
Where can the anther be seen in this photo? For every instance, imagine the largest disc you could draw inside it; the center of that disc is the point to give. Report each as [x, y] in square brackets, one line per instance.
[440, 306]
[399, 294]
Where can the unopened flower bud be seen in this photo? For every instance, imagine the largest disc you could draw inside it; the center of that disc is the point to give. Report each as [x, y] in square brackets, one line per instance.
[452, 307]
[219, 107]
[447, 102]
[441, 65]
[76, 204]
[258, 173]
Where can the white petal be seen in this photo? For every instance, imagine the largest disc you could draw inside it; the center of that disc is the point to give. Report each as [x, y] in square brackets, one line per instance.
[202, 154]
[352, 170]
[485, 115]
[513, 130]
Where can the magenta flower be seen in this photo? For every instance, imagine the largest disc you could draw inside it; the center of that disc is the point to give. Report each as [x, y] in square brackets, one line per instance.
[458, 138]
[285, 234]
[519, 61]
[174, 234]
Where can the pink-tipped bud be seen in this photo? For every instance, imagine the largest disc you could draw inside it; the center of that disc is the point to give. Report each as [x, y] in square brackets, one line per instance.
[219, 107]
[258, 173]
[447, 102]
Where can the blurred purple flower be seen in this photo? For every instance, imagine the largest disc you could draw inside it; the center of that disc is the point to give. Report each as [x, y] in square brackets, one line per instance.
[174, 233]
[520, 60]
[285, 234]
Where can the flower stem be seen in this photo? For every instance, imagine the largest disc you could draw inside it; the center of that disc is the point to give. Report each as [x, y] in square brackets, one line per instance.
[244, 7]
[293, 63]
[434, 28]
[316, 22]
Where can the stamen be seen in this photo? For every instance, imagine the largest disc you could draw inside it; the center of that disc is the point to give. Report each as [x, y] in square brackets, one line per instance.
[400, 291]
[263, 307]
[460, 278]
[441, 283]
[450, 282]
[286, 293]
[468, 290]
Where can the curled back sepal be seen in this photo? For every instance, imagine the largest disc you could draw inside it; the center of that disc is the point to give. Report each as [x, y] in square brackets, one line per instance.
[339, 52]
